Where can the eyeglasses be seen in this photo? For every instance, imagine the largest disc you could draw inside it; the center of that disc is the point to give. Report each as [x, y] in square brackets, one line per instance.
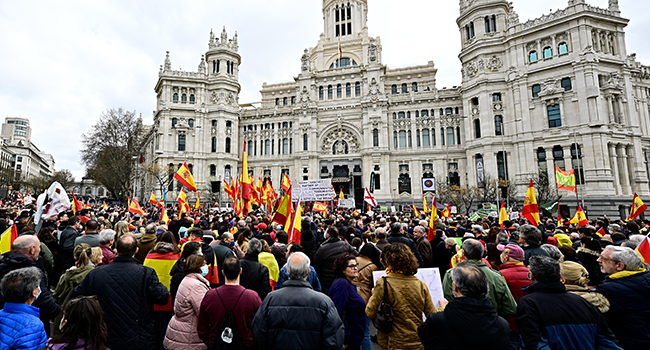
[604, 258]
[355, 266]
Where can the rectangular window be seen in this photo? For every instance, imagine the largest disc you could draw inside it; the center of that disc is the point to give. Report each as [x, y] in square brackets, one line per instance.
[554, 117]
[402, 139]
[357, 89]
[181, 143]
[496, 97]
[536, 90]
[450, 137]
[566, 84]
[426, 142]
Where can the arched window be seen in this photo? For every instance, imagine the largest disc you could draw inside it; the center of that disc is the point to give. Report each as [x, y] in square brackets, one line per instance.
[448, 111]
[424, 113]
[394, 115]
[343, 62]
[181, 143]
[541, 162]
[532, 56]
[214, 66]
[285, 146]
[357, 89]
[393, 89]
[218, 66]
[213, 170]
[496, 97]
[285, 125]
[174, 122]
[426, 142]
[401, 115]
[277, 101]
[214, 144]
[348, 90]
[405, 88]
[456, 110]
[293, 100]
[554, 117]
[305, 142]
[470, 30]
[249, 148]
[228, 124]
[487, 24]
[562, 48]
[450, 136]
[175, 97]
[558, 157]
[417, 114]
[442, 136]
[502, 166]
[498, 125]
[184, 98]
[329, 92]
[267, 147]
[284, 101]
[226, 173]
[548, 52]
[417, 138]
[320, 93]
[433, 137]
[192, 98]
[477, 128]
[402, 139]
[414, 87]
[395, 139]
[338, 90]
[536, 90]
[375, 138]
[214, 123]
[458, 135]
[190, 122]
[227, 144]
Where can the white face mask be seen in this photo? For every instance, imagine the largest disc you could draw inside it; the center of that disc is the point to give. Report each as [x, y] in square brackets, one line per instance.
[204, 270]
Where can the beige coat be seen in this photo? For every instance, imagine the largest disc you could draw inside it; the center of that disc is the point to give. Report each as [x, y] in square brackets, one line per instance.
[599, 300]
[364, 280]
[409, 298]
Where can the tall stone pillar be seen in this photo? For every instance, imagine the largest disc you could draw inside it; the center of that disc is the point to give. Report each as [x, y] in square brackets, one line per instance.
[614, 165]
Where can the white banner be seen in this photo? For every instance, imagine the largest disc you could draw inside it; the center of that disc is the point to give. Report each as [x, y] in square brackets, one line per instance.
[312, 190]
[347, 203]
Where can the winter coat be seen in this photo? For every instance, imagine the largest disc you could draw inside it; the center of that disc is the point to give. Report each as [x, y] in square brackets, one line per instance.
[595, 298]
[297, 317]
[68, 282]
[381, 244]
[108, 254]
[531, 251]
[628, 293]
[145, 244]
[20, 327]
[162, 263]
[351, 308]
[66, 244]
[446, 329]
[47, 307]
[364, 280]
[126, 291]
[92, 239]
[550, 317]
[312, 278]
[398, 238]
[588, 258]
[254, 275]
[279, 250]
[498, 293]
[181, 332]
[424, 247]
[516, 276]
[81, 345]
[324, 260]
[409, 298]
[221, 251]
[309, 241]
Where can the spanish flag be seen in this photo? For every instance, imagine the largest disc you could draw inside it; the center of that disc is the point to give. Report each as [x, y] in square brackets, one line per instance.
[601, 233]
[76, 205]
[183, 206]
[285, 182]
[503, 215]
[530, 210]
[319, 207]
[246, 183]
[565, 180]
[7, 238]
[579, 218]
[296, 225]
[163, 215]
[637, 208]
[644, 250]
[283, 214]
[197, 206]
[446, 213]
[104, 206]
[153, 199]
[434, 221]
[184, 176]
[340, 49]
[425, 206]
[415, 211]
[341, 195]
[134, 207]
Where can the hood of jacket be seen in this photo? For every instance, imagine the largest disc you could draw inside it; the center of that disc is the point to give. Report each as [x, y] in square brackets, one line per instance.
[163, 248]
[479, 316]
[76, 275]
[147, 238]
[16, 260]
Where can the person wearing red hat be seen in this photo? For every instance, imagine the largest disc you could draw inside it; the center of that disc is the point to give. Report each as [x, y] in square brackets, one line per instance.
[516, 276]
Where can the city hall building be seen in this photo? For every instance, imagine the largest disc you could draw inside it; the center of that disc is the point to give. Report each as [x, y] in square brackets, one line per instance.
[560, 89]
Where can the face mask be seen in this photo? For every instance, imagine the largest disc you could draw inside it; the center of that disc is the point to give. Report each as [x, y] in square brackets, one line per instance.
[231, 244]
[39, 293]
[204, 270]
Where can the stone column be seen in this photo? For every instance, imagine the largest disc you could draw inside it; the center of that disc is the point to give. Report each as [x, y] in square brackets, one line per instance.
[624, 175]
[629, 165]
[614, 165]
[610, 111]
[621, 115]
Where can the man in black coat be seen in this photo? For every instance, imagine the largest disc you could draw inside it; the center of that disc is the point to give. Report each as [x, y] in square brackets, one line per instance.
[126, 290]
[66, 242]
[327, 253]
[222, 251]
[25, 252]
[254, 275]
[397, 236]
[470, 311]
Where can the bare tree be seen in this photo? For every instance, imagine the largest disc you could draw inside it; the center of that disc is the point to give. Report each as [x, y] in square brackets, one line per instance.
[163, 175]
[544, 189]
[110, 148]
[462, 197]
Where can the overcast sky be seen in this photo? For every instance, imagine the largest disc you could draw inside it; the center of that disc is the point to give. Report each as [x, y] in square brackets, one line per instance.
[64, 62]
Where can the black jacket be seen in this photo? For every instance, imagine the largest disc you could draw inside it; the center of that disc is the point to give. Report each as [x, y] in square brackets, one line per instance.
[398, 238]
[126, 290]
[447, 329]
[221, 251]
[308, 239]
[48, 308]
[297, 317]
[325, 256]
[66, 244]
[254, 275]
[551, 316]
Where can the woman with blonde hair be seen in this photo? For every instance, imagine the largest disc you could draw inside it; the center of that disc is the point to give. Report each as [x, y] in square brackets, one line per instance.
[408, 296]
[73, 277]
[576, 279]
[121, 228]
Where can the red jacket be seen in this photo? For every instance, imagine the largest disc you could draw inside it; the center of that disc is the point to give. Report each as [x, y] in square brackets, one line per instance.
[516, 276]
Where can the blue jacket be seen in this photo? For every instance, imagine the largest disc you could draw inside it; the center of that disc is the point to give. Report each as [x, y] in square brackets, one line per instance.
[20, 327]
[551, 318]
[629, 312]
[351, 308]
[312, 278]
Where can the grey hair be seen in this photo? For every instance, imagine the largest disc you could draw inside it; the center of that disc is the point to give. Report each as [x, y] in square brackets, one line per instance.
[473, 249]
[553, 251]
[635, 240]
[150, 229]
[420, 229]
[106, 236]
[530, 234]
[423, 223]
[241, 223]
[226, 235]
[627, 256]
[470, 280]
[395, 228]
[23, 245]
[405, 226]
[254, 246]
[502, 237]
[380, 232]
[297, 266]
[17, 286]
[544, 268]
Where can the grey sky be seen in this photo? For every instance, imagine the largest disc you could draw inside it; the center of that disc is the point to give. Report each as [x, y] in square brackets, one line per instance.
[64, 62]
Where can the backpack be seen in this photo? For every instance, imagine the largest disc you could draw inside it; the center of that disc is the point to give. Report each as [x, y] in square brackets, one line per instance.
[228, 336]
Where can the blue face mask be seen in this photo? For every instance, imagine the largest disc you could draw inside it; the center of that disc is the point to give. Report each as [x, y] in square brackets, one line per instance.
[204, 270]
[39, 293]
[231, 244]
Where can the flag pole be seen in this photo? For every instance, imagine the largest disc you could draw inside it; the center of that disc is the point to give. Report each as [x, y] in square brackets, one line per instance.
[557, 193]
[580, 167]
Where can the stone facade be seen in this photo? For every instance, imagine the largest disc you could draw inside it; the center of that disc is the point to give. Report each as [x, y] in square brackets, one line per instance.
[533, 89]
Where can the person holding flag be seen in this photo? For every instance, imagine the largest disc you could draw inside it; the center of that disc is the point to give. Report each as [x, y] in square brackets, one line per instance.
[246, 184]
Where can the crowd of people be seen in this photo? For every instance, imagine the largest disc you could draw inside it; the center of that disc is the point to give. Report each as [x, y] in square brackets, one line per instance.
[108, 279]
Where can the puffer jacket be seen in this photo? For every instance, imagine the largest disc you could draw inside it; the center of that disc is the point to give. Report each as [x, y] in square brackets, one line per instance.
[595, 298]
[20, 327]
[409, 298]
[308, 238]
[297, 317]
[181, 332]
[126, 291]
[70, 279]
[628, 293]
[516, 276]
[325, 256]
[254, 275]
[588, 258]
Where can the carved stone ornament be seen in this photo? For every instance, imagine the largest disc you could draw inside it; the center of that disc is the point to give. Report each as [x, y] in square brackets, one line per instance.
[549, 87]
[372, 51]
[230, 98]
[497, 107]
[374, 90]
[304, 97]
[450, 120]
[425, 122]
[471, 69]
[305, 61]
[214, 97]
[614, 81]
[494, 63]
[402, 124]
[340, 134]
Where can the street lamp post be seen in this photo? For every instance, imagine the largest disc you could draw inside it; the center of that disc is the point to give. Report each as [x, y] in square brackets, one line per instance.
[503, 157]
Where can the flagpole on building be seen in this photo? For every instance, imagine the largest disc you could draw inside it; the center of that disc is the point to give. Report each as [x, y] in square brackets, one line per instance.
[557, 192]
[579, 158]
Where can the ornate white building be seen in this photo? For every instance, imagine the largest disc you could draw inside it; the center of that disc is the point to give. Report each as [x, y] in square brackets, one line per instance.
[560, 89]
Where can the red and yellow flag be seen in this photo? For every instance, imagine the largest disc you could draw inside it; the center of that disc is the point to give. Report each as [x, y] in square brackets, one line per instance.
[296, 225]
[503, 215]
[153, 199]
[319, 207]
[104, 206]
[197, 206]
[530, 210]
[7, 238]
[341, 195]
[135, 208]
[163, 215]
[425, 206]
[183, 205]
[285, 182]
[184, 176]
[415, 211]
[434, 220]
[579, 218]
[644, 250]
[283, 213]
[76, 205]
[246, 184]
[565, 180]
[637, 208]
